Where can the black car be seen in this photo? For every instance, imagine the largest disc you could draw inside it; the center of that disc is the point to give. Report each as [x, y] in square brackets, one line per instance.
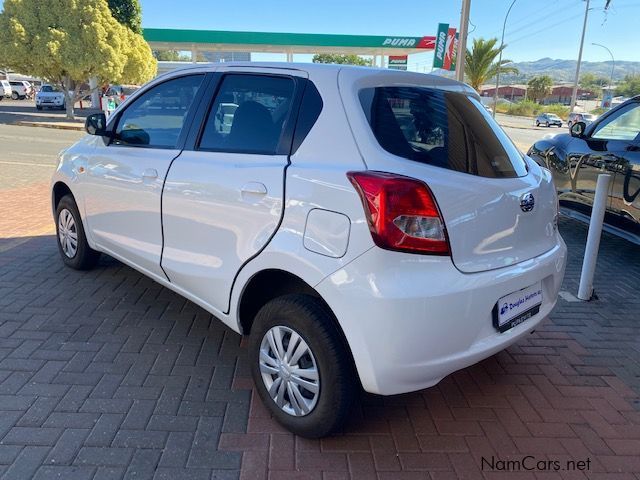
[611, 144]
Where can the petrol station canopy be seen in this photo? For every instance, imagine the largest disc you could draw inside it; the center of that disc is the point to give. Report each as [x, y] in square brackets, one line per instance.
[289, 43]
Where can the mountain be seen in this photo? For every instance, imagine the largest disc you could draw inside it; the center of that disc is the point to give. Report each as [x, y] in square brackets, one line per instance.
[565, 70]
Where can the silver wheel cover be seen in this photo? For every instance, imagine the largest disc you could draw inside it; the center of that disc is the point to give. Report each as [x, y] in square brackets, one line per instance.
[289, 371]
[67, 233]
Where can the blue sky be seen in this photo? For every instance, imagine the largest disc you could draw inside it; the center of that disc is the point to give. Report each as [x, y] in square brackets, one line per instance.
[535, 29]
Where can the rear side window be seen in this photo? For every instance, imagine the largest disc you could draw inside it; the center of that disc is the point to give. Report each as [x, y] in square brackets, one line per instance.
[248, 114]
[445, 129]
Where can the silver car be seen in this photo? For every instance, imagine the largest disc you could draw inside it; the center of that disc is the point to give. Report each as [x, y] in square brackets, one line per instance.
[548, 120]
[574, 117]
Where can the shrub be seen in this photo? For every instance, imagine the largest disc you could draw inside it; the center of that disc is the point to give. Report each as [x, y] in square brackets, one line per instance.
[529, 108]
[561, 110]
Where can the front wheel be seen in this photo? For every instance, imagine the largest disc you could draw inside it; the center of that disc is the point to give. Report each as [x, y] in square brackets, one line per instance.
[72, 241]
[537, 124]
[300, 365]
[546, 124]
[14, 96]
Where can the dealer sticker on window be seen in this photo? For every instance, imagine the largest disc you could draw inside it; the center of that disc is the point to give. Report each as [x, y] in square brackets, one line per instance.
[517, 307]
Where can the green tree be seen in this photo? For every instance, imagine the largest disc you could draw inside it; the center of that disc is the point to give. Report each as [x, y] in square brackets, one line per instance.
[593, 82]
[629, 86]
[128, 13]
[170, 56]
[539, 87]
[341, 59]
[481, 62]
[69, 42]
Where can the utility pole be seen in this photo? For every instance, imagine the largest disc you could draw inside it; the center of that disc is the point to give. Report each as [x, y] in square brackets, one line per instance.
[462, 40]
[495, 93]
[613, 65]
[574, 95]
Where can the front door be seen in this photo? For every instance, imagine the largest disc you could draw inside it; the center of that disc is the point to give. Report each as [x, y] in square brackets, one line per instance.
[123, 179]
[223, 198]
[621, 133]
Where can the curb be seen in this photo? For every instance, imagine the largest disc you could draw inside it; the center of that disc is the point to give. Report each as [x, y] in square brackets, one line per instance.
[22, 123]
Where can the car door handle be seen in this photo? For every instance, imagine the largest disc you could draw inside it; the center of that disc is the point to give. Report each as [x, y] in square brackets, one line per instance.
[256, 188]
[150, 174]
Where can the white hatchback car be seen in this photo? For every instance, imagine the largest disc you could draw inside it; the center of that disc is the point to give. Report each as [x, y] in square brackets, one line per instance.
[364, 227]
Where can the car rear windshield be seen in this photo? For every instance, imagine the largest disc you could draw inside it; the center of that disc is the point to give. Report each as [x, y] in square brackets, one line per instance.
[445, 129]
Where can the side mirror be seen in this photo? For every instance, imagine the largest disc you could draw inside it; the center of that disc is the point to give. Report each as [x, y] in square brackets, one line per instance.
[96, 124]
[577, 129]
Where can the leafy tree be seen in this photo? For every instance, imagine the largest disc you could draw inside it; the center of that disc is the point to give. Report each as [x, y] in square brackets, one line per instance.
[481, 62]
[539, 87]
[68, 42]
[629, 86]
[128, 13]
[590, 81]
[341, 59]
[170, 56]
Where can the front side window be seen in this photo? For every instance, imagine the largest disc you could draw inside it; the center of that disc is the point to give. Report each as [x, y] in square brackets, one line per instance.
[623, 125]
[155, 119]
[445, 129]
[248, 114]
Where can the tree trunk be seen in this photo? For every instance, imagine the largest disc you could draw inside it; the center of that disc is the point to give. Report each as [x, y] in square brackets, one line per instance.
[69, 97]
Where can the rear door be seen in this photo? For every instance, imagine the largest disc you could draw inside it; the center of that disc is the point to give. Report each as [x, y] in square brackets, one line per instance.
[497, 209]
[223, 197]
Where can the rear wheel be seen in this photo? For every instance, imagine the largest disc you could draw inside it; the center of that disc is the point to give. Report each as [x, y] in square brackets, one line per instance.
[300, 365]
[14, 95]
[72, 242]
[546, 124]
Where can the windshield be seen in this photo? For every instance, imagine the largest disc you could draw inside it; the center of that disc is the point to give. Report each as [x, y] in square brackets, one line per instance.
[445, 129]
[49, 88]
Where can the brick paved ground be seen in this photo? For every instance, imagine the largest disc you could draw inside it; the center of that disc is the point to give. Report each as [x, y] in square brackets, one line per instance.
[105, 374]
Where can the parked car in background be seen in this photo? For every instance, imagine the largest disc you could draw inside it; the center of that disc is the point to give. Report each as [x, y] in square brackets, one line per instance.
[586, 118]
[5, 89]
[548, 120]
[21, 89]
[328, 213]
[119, 93]
[50, 96]
[611, 144]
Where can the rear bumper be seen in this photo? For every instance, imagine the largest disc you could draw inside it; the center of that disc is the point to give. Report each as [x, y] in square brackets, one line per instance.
[410, 320]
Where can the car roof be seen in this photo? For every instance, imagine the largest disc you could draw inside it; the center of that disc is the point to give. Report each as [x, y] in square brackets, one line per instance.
[309, 68]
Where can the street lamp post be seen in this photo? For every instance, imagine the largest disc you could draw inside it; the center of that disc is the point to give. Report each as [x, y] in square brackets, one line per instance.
[504, 26]
[613, 65]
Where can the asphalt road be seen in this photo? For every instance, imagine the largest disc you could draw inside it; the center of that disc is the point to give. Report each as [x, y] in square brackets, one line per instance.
[29, 154]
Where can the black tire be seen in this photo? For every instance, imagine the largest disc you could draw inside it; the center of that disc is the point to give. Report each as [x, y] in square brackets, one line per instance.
[309, 318]
[14, 96]
[537, 123]
[547, 124]
[84, 257]
[38, 107]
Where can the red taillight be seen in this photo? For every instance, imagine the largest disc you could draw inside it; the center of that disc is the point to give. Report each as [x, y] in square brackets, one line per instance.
[402, 213]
